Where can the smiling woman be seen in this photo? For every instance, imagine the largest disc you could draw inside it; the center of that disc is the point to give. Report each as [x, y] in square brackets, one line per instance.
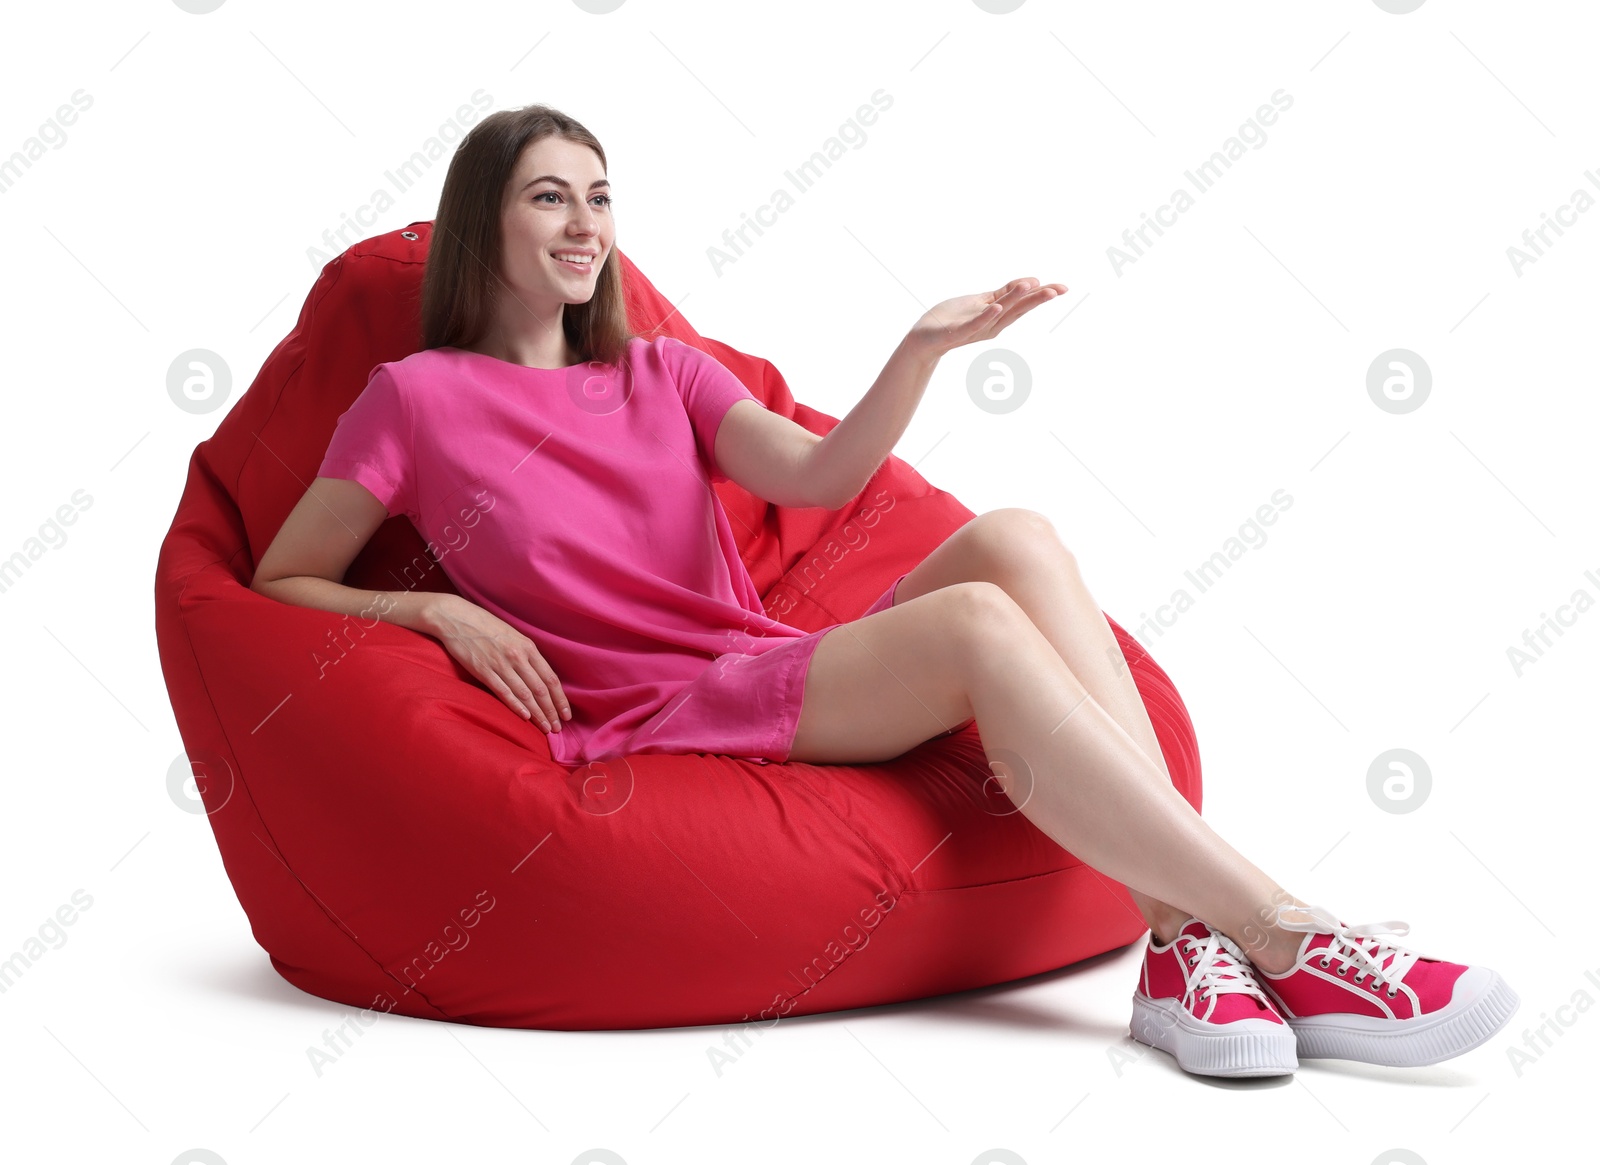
[495, 280]
[604, 579]
[605, 586]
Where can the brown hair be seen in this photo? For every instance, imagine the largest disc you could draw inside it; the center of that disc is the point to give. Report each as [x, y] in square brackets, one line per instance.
[461, 276]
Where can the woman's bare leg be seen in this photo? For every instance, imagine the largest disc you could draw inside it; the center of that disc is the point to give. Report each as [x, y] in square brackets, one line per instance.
[1019, 551]
[880, 685]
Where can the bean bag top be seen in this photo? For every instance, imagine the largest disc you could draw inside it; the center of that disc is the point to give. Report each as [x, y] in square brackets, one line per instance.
[401, 841]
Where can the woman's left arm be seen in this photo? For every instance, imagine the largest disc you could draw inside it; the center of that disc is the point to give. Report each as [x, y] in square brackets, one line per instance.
[785, 463]
[788, 465]
[839, 465]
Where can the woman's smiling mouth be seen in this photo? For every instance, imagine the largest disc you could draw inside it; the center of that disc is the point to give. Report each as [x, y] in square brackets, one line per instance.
[584, 260]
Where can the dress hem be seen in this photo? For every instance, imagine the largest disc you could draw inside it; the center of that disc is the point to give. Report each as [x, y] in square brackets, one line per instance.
[794, 685]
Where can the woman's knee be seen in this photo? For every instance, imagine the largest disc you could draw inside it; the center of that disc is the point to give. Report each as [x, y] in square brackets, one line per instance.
[978, 617]
[1013, 537]
[885, 683]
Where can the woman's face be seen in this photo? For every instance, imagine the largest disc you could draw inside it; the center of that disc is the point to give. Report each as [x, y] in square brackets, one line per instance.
[558, 200]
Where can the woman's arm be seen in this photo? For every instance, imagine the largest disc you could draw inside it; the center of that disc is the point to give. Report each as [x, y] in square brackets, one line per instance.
[840, 465]
[788, 465]
[844, 460]
[780, 461]
[316, 545]
[321, 537]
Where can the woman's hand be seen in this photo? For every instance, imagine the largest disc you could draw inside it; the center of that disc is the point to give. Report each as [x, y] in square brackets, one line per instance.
[967, 319]
[502, 657]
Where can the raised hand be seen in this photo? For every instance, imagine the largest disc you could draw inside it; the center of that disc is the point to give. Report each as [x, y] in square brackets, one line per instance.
[967, 319]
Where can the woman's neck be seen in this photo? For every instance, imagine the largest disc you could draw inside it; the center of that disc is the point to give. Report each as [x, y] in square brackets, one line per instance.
[529, 351]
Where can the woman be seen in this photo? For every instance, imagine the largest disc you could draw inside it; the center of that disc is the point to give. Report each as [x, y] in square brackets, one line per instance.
[561, 468]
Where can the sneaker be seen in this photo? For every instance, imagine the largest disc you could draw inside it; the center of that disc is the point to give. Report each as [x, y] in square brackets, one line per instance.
[1198, 1001]
[1353, 996]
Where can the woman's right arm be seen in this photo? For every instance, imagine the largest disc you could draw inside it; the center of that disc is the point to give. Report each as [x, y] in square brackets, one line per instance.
[316, 545]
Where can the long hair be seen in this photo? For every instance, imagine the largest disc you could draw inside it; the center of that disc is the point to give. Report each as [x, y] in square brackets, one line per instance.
[461, 278]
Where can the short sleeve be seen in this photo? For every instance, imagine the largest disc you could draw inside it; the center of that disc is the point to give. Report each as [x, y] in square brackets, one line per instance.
[372, 444]
[708, 390]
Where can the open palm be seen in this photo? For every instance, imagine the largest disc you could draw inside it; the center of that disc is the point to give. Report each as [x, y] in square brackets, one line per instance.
[967, 319]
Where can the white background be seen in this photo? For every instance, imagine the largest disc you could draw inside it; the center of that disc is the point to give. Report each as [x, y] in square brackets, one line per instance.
[1168, 402]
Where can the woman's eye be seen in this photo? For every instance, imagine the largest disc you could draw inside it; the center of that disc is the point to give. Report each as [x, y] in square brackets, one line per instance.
[605, 198]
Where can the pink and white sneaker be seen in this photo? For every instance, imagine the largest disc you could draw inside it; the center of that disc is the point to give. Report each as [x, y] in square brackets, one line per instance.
[1198, 1000]
[1352, 996]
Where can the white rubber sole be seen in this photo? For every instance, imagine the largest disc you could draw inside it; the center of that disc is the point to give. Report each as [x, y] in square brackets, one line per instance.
[1245, 1047]
[1480, 1006]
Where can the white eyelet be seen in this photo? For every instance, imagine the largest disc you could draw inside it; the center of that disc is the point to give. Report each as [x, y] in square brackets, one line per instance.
[412, 235]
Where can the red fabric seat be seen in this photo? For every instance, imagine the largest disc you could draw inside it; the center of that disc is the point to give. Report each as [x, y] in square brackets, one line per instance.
[400, 839]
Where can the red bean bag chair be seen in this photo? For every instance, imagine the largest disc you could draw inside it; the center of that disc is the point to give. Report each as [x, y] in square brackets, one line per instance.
[401, 840]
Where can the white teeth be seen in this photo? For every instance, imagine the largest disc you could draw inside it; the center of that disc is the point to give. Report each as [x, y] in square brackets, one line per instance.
[570, 258]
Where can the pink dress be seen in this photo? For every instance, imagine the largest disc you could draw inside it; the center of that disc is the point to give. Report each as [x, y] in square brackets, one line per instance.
[576, 504]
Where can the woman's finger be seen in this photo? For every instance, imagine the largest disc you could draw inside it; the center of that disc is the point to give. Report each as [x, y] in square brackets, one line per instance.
[543, 689]
[499, 687]
[558, 695]
[498, 664]
[1016, 287]
[1037, 293]
[1041, 294]
[1014, 293]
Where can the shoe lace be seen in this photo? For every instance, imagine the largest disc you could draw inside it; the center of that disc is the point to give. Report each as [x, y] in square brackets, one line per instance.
[1356, 945]
[1216, 965]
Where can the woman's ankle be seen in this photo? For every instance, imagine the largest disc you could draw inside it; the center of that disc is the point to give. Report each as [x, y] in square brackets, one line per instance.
[1267, 945]
[1162, 918]
[1272, 948]
[1278, 955]
[1165, 923]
